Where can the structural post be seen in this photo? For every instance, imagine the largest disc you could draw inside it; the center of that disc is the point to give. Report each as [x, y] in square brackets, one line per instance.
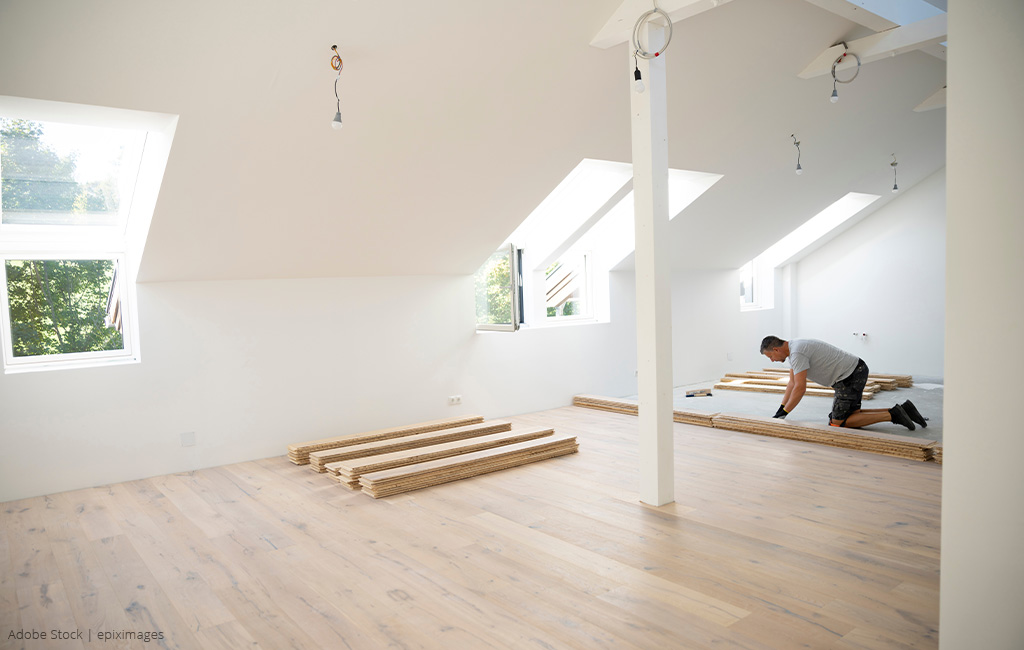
[649, 112]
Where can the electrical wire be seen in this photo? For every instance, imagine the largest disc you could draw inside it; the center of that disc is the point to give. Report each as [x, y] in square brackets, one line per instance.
[641, 21]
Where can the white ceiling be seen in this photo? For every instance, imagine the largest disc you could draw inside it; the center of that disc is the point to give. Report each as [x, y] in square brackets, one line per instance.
[459, 119]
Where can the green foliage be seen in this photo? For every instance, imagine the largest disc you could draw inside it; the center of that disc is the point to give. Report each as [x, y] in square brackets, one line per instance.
[493, 285]
[59, 306]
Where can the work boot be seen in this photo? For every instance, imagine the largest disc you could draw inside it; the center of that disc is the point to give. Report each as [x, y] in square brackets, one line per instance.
[914, 414]
[899, 416]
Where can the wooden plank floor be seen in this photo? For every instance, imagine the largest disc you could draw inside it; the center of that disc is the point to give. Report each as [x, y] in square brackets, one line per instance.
[770, 544]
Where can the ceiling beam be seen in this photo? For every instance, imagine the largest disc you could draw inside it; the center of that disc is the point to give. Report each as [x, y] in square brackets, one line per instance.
[895, 41]
[938, 100]
[855, 14]
[619, 28]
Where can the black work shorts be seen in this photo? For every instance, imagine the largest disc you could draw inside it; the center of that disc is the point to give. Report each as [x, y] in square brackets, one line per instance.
[849, 392]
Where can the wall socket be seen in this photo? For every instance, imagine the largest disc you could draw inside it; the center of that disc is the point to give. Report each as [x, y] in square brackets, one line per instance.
[454, 399]
[188, 439]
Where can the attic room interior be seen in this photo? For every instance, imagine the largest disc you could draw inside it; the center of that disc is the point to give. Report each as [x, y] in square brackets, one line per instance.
[267, 280]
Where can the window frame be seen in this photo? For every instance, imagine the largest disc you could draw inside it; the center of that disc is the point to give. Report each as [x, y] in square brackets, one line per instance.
[15, 364]
[123, 242]
[586, 286]
[516, 289]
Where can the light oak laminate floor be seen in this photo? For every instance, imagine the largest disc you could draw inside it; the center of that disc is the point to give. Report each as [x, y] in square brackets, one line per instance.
[770, 544]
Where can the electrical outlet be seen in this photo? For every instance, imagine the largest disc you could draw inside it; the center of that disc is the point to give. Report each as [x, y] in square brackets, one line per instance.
[454, 399]
[188, 439]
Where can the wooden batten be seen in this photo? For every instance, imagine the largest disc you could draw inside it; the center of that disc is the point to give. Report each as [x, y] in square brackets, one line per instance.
[299, 453]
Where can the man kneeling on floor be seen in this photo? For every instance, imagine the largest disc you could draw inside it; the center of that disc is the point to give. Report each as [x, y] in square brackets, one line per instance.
[847, 375]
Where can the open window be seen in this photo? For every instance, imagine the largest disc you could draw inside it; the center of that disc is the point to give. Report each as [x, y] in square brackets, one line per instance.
[499, 291]
[78, 185]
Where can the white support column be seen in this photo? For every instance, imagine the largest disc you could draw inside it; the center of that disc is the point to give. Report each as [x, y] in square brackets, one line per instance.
[649, 113]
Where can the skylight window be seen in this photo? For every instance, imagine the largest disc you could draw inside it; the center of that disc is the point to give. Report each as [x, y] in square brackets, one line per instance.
[901, 12]
[64, 174]
[78, 185]
[757, 276]
[585, 228]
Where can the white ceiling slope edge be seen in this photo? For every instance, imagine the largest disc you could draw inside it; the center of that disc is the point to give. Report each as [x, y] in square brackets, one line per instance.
[459, 123]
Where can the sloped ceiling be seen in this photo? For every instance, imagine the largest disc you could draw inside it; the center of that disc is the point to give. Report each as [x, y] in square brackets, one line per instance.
[459, 119]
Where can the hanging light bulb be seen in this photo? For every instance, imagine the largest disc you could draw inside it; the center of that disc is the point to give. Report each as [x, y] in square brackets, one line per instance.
[638, 83]
[337, 64]
[895, 187]
[796, 143]
[835, 95]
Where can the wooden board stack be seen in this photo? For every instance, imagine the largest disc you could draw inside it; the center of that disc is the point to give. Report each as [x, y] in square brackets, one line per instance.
[888, 382]
[758, 386]
[780, 379]
[626, 406]
[347, 472]
[879, 443]
[318, 460]
[859, 439]
[299, 453]
[631, 407]
[414, 477]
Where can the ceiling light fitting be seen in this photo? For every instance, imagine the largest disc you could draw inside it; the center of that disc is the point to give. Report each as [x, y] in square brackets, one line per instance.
[796, 143]
[337, 64]
[836, 80]
[638, 51]
[895, 187]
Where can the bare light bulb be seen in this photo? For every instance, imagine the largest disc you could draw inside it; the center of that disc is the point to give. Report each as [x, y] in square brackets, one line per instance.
[336, 124]
[799, 169]
[638, 85]
[895, 189]
[835, 96]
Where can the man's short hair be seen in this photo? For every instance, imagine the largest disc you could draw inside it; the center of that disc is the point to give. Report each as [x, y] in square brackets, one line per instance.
[770, 343]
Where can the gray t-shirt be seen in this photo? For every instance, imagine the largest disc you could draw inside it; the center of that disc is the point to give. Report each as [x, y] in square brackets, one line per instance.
[825, 364]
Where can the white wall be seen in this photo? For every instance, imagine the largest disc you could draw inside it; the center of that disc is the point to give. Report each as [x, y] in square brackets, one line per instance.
[982, 590]
[708, 327]
[884, 276]
[252, 366]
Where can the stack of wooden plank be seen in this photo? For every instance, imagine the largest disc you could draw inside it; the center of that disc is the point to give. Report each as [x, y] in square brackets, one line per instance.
[936, 452]
[777, 386]
[859, 439]
[347, 472]
[781, 379]
[886, 382]
[318, 460]
[615, 405]
[414, 477]
[299, 453]
[631, 407]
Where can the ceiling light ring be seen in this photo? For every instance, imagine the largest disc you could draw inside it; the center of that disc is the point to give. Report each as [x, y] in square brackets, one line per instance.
[839, 60]
[336, 62]
[640, 22]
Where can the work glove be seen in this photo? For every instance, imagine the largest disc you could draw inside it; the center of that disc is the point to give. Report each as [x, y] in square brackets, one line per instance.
[781, 413]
